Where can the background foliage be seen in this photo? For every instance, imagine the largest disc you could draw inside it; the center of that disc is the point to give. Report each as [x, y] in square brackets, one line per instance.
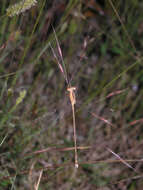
[103, 58]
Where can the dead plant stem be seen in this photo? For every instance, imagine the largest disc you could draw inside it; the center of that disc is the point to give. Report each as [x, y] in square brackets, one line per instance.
[73, 102]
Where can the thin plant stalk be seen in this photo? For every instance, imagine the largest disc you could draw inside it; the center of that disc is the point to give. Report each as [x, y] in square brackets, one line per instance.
[70, 89]
[38, 183]
[123, 161]
[73, 102]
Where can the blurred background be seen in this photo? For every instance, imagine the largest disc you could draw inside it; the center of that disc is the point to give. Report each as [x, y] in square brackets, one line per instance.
[101, 43]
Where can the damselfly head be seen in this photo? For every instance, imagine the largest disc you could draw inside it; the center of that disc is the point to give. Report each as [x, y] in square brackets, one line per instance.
[71, 89]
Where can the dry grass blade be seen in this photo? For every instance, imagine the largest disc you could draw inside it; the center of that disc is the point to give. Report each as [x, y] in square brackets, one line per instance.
[3, 140]
[127, 179]
[115, 93]
[61, 56]
[51, 149]
[102, 119]
[8, 75]
[60, 66]
[136, 121]
[52, 166]
[30, 171]
[39, 179]
[123, 161]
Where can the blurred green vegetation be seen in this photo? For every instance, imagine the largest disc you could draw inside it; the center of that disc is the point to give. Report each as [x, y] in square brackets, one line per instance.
[102, 43]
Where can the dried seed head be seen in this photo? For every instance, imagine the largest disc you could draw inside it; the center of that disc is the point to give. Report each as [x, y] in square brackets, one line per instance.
[21, 97]
[20, 7]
